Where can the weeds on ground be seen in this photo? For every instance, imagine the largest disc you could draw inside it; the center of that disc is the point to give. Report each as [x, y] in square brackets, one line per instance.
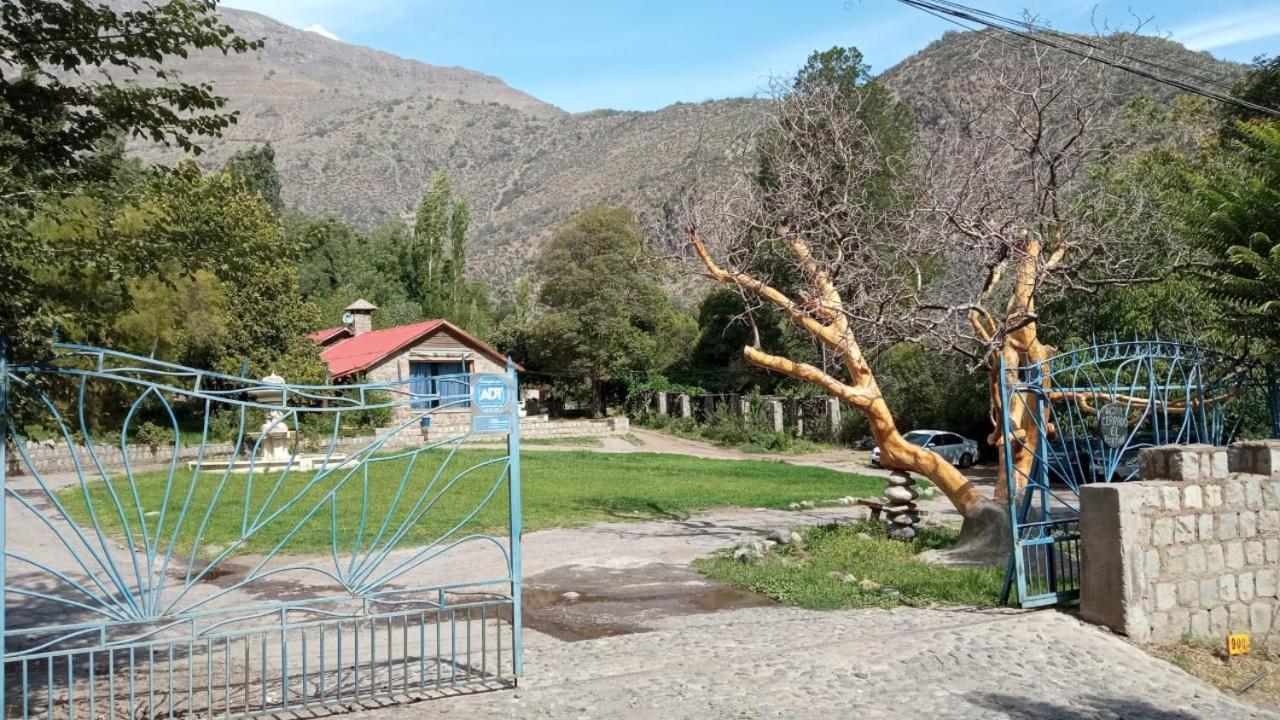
[857, 566]
[1211, 664]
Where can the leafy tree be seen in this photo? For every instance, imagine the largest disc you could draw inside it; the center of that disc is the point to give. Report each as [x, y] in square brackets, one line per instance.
[56, 109]
[513, 335]
[255, 167]
[1261, 86]
[603, 314]
[723, 330]
[70, 236]
[1235, 219]
[424, 259]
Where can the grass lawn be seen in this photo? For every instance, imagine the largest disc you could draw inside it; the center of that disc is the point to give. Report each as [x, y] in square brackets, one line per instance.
[800, 576]
[561, 489]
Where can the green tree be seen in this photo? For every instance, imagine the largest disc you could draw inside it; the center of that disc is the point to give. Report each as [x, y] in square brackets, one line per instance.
[69, 234]
[1261, 86]
[425, 261]
[1235, 220]
[456, 277]
[513, 335]
[255, 168]
[603, 313]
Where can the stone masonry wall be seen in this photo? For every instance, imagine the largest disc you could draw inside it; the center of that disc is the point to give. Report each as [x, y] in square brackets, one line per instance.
[52, 457]
[1190, 551]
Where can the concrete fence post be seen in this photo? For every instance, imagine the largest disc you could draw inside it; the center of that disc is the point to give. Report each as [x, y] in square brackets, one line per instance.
[662, 403]
[685, 409]
[774, 410]
[833, 416]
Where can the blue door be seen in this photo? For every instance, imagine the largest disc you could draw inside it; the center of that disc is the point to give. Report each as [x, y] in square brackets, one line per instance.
[439, 383]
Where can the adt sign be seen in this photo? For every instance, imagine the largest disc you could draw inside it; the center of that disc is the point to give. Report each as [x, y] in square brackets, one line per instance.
[491, 398]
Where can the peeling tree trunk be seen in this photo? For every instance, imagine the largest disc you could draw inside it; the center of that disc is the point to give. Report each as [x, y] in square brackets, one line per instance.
[1019, 346]
[825, 320]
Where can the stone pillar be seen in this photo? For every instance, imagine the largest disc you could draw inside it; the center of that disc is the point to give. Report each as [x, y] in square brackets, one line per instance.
[662, 403]
[901, 507]
[685, 410]
[773, 409]
[742, 405]
[833, 416]
[799, 406]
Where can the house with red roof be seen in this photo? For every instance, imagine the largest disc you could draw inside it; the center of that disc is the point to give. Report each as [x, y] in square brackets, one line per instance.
[433, 359]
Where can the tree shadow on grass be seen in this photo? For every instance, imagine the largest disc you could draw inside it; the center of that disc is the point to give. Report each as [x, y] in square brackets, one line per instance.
[636, 509]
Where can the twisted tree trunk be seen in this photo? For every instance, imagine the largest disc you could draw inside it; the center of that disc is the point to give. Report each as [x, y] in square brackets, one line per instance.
[825, 320]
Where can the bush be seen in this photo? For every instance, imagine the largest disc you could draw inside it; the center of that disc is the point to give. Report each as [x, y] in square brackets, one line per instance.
[374, 417]
[152, 435]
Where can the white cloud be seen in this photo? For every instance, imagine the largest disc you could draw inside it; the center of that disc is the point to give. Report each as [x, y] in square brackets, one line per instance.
[1229, 30]
[346, 15]
[320, 30]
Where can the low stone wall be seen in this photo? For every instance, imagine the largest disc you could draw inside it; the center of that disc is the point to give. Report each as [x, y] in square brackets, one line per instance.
[1190, 551]
[49, 457]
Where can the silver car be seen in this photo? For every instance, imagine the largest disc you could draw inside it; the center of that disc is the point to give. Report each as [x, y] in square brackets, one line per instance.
[959, 451]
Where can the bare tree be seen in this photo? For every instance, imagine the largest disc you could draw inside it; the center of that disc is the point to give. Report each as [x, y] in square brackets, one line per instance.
[861, 247]
[825, 235]
[1015, 200]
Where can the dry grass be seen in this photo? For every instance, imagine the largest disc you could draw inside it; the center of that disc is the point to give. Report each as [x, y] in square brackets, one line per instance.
[1211, 665]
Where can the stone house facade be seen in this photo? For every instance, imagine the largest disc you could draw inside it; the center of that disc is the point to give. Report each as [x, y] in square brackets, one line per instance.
[429, 361]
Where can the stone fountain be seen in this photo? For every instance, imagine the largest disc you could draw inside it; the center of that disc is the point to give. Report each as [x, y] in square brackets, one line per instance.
[274, 440]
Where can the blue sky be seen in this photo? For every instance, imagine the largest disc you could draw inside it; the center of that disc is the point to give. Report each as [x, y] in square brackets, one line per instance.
[632, 55]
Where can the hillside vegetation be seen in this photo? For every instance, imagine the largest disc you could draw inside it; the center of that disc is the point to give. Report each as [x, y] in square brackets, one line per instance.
[358, 133]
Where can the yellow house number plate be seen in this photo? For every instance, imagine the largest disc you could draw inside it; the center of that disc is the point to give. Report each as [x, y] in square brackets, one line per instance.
[1238, 644]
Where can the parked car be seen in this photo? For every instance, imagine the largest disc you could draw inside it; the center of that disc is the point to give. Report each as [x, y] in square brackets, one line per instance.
[1083, 460]
[959, 451]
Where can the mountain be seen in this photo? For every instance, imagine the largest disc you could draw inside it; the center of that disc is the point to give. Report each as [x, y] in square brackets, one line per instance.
[359, 132]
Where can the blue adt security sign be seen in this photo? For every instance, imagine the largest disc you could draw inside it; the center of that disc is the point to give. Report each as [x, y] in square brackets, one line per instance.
[491, 398]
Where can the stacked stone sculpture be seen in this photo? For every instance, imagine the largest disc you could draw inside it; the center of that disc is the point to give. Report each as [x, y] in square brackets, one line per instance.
[901, 508]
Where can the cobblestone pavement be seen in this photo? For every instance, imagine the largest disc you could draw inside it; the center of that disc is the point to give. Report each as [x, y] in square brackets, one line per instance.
[784, 662]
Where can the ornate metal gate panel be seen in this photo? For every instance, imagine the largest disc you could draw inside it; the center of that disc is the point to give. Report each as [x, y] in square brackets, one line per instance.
[260, 556]
[1090, 411]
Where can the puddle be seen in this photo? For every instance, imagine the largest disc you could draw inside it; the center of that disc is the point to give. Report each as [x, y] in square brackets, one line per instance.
[729, 598]
[618, 602]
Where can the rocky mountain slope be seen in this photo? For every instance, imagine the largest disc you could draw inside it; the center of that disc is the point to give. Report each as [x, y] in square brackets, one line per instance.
[359, 132]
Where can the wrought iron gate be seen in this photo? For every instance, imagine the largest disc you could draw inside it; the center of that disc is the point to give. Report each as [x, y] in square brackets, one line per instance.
[260, 556]
[1090, 411]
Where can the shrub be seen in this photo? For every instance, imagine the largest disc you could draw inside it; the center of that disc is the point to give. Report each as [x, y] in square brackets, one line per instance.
[152, 435]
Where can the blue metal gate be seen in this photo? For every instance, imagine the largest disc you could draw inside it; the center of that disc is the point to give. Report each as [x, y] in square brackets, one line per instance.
[179, 543]
[1091, 411]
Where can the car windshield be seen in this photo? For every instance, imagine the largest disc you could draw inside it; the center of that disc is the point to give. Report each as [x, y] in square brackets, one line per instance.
[917, 438]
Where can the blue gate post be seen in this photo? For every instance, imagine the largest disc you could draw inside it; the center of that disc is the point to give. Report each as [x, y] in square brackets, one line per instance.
[1014, 571]
[4, 501]
[517, 526]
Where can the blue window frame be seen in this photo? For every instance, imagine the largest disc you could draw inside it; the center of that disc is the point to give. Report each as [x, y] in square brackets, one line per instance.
[449, 380]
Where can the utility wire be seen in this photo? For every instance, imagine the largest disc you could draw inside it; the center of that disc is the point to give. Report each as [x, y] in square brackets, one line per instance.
[952, 12]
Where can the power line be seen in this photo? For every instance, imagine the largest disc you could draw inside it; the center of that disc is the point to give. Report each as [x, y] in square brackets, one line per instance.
[953, 11]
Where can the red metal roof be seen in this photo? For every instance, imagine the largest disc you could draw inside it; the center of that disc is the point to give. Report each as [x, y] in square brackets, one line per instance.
[324, 336]
[365, 350]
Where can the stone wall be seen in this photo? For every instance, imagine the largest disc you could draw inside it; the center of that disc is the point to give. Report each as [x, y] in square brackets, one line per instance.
[57, 457]
[1190, 551]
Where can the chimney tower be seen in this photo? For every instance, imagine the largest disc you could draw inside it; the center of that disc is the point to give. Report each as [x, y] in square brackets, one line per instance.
[358, 317]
